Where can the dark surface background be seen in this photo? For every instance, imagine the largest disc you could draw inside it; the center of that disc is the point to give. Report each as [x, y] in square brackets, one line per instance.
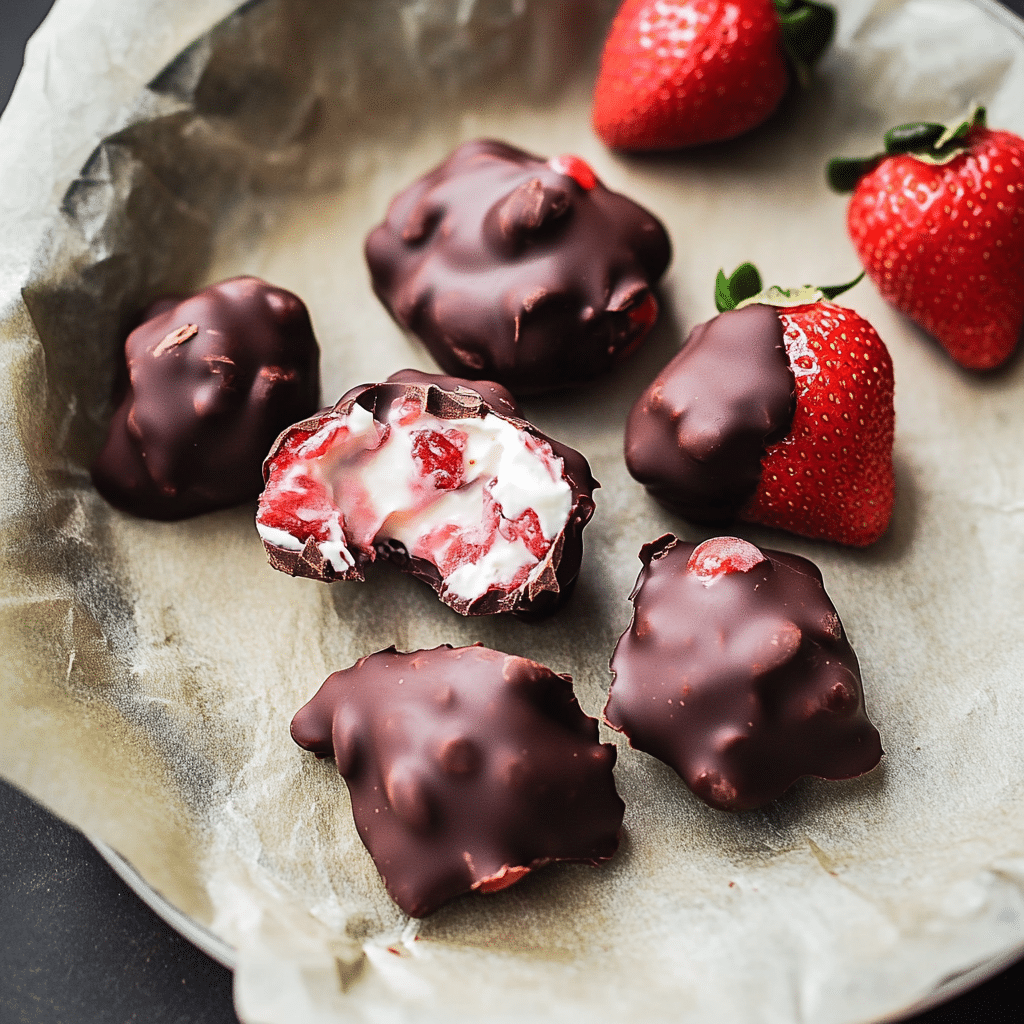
[78, 947]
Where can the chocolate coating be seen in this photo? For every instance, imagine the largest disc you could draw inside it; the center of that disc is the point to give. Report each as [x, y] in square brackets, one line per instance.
[510, 270]
[452, 398]
[213, 379]
[467, 768]
[497, 398]
[696, 437]
[743, 682]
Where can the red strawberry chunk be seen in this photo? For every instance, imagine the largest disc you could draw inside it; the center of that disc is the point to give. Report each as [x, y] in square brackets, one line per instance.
[440, 455]
[527, 529]
[579, 170]
[302, 509]
[722, 556]
[296, 502]
[312, 443]
[452, 545]
[644, 313]
[407, 412]
[642, 317]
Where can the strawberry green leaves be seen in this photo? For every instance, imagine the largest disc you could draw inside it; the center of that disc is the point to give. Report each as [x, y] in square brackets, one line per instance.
[928, 142]
[744, 283]
[744, 287]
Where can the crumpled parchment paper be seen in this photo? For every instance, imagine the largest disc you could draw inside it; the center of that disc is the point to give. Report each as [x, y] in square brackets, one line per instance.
[150, 670]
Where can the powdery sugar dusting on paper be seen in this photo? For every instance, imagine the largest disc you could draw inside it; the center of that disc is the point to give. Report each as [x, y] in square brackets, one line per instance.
[166, 660]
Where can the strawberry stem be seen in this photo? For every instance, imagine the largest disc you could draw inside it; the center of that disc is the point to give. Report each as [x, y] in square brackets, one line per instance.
[832, 290]
[744, 287]
[807, 29]
[926, 141]
[906, 138]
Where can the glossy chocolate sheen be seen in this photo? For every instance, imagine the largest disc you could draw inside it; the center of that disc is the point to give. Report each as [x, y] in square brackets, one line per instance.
[696, 437]
[213, 379]
[452, 398]
[509, 270]
[744, 683]
[467, 768]
[497, 398]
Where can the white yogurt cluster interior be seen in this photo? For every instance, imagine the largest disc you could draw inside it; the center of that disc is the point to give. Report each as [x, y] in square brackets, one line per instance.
[480, 499]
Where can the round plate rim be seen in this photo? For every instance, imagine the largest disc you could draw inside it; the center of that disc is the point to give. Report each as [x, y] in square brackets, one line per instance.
[199, 935]
[223, 953]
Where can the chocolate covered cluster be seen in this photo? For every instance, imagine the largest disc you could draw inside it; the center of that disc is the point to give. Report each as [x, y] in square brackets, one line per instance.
[516, 269]
[212, 380]
[467, 769]
[736, 672]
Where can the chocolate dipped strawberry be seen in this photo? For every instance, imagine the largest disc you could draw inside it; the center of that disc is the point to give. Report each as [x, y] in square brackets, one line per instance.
[938, 222]
[675, 75]
[778, 411]
[736, 672]
[440, 476]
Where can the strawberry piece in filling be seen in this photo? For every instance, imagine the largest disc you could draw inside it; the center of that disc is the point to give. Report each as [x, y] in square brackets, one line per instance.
[722, 556]
[477, 497]
[576, 168]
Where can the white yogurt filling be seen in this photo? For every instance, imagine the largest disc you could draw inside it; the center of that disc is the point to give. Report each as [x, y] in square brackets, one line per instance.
[457, 502]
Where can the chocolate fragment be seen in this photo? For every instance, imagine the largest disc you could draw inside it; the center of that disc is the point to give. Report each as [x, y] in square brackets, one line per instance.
[467, 769]
[440, 476]
[498, 398]
[735, 671]
[213, 379]
[519, 270]
[696, 437]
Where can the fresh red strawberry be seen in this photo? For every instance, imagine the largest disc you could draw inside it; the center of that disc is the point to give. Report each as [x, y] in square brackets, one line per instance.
[777, 411]
[938, 222]
[679, 74]
[832, 475]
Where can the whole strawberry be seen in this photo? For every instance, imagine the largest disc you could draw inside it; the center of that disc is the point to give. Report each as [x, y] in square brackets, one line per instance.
[777, 411]
[685, 74]
[938, 222]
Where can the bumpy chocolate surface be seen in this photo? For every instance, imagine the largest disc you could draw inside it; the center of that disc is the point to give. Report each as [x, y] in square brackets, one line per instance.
[736, 672]
[696, 437]
[447, 398]
[509, 269]
[213, 379]
[467, 768]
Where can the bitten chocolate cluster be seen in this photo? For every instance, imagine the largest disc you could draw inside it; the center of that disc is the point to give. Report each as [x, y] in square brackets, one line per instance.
[440, 476]
[212, 380]
[467, 769]
[736, 672]
[519, 270]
